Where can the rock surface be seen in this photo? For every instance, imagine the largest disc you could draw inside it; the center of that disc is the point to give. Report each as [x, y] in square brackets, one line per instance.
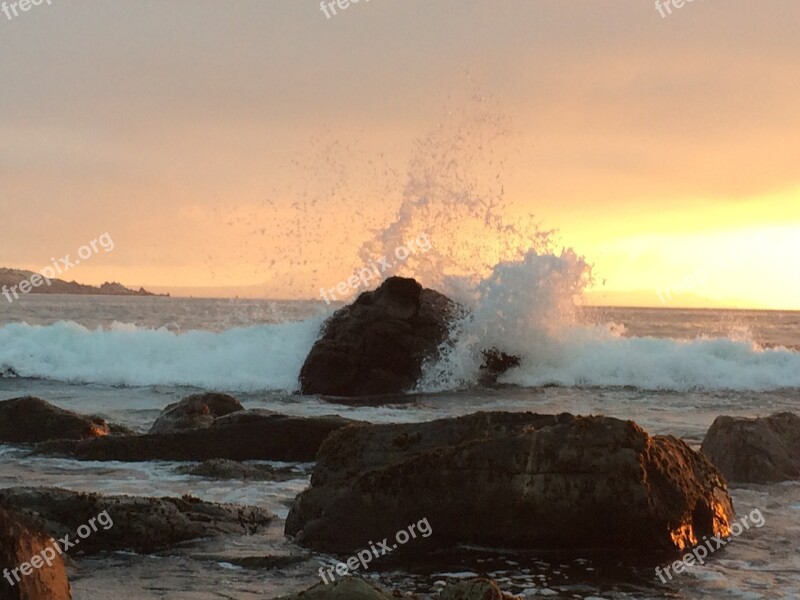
[475, 589]
[194, 412]
[29, 420]
[511, 480]
[242, 435]
[761, 450]
[139, 524]
[21, 539]
[377, 344]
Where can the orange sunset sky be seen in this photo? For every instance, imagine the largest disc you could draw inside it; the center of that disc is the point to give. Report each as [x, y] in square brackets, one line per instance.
[249, 147]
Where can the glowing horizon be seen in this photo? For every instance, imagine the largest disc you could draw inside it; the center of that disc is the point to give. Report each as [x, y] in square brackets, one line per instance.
[226, 157]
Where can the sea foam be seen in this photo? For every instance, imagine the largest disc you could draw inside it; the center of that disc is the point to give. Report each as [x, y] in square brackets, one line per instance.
[262, 357]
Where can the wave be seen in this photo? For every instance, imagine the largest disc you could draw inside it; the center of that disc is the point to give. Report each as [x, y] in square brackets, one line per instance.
[269, 358]
[263, 357]
[526, 308]
[594, 357]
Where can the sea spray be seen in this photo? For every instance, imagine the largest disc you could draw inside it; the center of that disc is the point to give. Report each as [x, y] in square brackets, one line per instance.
[522, 308]
[454, 190]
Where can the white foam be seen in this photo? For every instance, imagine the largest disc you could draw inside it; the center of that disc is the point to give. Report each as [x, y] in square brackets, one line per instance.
[526, 308]
[263, 357]
[596, 357]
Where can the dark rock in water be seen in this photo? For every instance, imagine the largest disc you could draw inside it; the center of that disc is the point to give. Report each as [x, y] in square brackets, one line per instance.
[283, 561]
[475, 589]
[377, 344]
[131, 523]
[373, 400]
[29, 420]
[545, 482]
[762, 450]
[342, 589]
[120, 429]
[242, 435]
[6, 371]
[22, 539]
[353, 588]
[495, 363]
[195, 411]
[221, 468]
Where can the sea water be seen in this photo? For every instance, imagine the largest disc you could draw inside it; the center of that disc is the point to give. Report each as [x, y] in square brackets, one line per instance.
[671, 370]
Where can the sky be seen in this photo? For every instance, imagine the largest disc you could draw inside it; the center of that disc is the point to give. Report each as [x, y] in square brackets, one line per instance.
[251, 147]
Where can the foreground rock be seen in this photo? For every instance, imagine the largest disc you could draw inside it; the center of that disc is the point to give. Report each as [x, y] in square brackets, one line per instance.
[29, 420]
[377, 345]
[195, 412]
[21, 539]
[759, 450]
[242, 435]
[511, 480]
[131, 523]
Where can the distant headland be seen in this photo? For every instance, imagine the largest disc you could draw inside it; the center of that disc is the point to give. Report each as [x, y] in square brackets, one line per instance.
[14, 278]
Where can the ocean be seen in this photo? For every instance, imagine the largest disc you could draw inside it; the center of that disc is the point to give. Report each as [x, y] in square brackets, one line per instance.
[671, 370]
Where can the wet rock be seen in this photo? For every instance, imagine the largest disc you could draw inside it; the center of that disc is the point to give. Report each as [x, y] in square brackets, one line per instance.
[495, 363]
[377, 344]
[242, 435]
[550, 482]
[264, 562]
[22, 539]
[475, 589]
[344, 589]
[116, 429]
[29, 420]
[761, 450]
[195, 411]
[6, 371]
[132, 523]
[221, 468]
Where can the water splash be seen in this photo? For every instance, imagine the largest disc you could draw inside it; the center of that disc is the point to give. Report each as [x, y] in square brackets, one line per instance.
[454, 193]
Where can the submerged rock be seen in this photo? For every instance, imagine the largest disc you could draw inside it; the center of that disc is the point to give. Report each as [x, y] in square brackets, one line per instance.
[21, 539]
[132, 523]
[353, 588]
[221, 468]
[377, 344]
[29, 420]
[761, 450]
[475, 589]
[343, 589]
[242, 435]
[269, 562]
[511, 480]
[195, 411]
